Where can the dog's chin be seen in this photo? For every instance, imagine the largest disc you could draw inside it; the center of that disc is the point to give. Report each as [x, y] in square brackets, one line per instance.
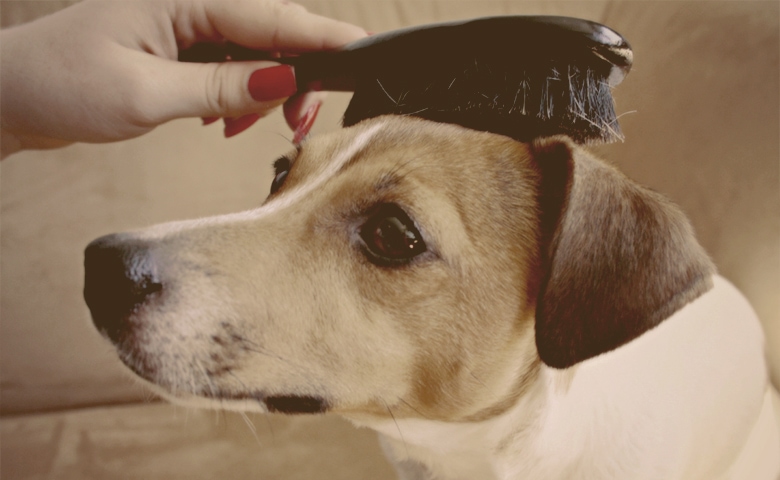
[213, 397]
[195, 401]
[253, 402]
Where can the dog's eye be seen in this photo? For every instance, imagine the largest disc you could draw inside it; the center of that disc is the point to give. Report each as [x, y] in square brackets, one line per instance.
[390, 236]
[281, 169]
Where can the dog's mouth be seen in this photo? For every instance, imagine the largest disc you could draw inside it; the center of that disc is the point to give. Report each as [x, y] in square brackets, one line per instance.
[286, 404]
[290, 404]
[295, 404]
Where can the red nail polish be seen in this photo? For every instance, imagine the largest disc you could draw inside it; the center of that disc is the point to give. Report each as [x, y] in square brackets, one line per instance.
[209, 120]
[272, 83]
[306, 123]
[234, 126]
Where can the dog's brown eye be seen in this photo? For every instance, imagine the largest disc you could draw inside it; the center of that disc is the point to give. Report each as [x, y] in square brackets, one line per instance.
[390, 236]
[281, 169]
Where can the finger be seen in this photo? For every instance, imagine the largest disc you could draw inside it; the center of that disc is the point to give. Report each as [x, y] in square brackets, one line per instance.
[234, 126]
[297, 107]
[230, 89]
[307, 121]
[278, 25]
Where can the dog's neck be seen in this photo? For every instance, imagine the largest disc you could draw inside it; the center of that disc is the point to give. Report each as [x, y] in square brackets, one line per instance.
[605, 418]
[493, 448]
[552, 431]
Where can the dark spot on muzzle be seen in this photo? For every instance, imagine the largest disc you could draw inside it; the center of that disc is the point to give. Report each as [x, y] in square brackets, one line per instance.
[295, 404]
[120, 277]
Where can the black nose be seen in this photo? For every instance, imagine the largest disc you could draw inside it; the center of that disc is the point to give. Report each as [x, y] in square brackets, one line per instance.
[120, 276]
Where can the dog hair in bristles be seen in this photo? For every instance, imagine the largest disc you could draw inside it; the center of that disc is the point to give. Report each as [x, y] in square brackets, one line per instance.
[523, 104]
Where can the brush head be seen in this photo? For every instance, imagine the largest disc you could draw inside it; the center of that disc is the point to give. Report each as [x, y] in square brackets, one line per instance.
[521, 76]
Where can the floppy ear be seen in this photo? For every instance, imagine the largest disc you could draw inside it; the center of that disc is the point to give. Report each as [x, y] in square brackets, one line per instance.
[618, 258]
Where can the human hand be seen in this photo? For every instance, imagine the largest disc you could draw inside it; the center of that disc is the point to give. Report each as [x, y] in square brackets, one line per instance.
[103, 71]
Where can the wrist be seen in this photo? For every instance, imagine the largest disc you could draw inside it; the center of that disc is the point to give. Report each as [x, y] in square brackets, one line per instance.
[12, 142]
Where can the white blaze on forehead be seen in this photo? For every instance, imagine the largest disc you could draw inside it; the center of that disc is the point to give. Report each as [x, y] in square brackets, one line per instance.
[339, 159]
[282, 201]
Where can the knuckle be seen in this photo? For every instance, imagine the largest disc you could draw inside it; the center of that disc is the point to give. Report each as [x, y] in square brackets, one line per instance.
[218, 92]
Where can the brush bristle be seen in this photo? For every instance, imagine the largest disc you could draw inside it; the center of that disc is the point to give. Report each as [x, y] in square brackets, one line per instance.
[524, 102]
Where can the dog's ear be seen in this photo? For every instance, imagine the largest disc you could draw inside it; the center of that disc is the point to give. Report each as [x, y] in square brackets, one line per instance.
[617, 258]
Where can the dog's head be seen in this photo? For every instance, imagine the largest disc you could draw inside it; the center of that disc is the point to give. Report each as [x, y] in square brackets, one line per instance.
[398, 267]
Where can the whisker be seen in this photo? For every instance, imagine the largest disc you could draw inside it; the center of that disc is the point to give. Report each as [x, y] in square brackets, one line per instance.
[288, 140]
[207, 378]
[410, 406]
[256, 348]
[626, 113]
[406, 447]
[396, 170]
[388, 95]
[251, 426]
[416, 112]
[230, 372]
[263, 351]
[265, 416]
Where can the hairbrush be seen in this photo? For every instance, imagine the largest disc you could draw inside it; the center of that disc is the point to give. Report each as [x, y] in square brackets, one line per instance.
[521, 76]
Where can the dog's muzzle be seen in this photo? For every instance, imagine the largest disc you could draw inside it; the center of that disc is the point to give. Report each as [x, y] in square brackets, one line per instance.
[120, 278]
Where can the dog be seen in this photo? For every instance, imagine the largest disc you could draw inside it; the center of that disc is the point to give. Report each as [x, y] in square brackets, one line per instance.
[494, 309]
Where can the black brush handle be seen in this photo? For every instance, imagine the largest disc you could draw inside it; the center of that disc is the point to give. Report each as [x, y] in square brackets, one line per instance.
[332, 70]
[513, 38]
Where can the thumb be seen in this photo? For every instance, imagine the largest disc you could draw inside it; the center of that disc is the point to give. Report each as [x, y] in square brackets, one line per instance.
[226, 89]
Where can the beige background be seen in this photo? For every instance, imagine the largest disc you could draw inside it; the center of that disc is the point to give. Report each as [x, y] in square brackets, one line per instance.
[702, 123]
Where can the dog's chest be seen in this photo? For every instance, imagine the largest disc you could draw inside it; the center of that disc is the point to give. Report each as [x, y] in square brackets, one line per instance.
[439, 458]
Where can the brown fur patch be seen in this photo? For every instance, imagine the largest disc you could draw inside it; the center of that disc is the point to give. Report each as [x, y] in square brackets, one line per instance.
[623, 259]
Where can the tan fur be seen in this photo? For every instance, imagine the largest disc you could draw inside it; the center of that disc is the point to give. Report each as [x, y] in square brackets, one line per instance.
[460, 343]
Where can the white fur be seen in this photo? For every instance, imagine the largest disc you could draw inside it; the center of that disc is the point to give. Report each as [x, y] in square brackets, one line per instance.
[358, 143]
[627, 414]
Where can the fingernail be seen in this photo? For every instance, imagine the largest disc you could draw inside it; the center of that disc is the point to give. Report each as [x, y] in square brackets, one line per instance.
[209, 120]
[306, 123]
[272, 83]
[234, 126]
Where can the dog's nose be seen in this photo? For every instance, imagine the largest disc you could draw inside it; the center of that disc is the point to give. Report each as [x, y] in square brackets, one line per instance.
[120, 276]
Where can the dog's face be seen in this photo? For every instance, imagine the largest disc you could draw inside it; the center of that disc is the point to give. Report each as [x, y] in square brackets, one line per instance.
[393, 266]
[395, 269]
